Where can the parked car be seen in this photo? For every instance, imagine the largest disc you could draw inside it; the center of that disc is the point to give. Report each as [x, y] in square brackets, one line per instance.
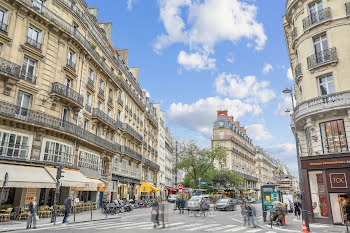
[195, 201]
[172, 198]
[225, 204]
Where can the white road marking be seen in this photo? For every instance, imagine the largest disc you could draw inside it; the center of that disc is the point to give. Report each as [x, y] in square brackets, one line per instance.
[102, 225]
[201, 227]
[254, 230]
[220, 228]
[144, 224]
[236, 220]
[184, 226]
[166, 225]
[235, 229]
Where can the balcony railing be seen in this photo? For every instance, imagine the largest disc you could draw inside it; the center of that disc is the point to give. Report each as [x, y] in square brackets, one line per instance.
[110, 100]
[132, 132]
[317, 17]
[42, 119]
[33, 43]
[322, 58]
[101, 92]
[120, 101]
[133, 154]
[294, 33]
[347, 8]
[88, 107]
[10, 68]
[26, 76]
[68, 93]
[235, 140]
[323, 103]
[298, 72]
[151, 164]
[91, 82]
[106, 119]
[3, 27]
[70, 63]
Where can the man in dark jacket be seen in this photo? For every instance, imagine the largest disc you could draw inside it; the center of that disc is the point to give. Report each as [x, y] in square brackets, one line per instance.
[32, 214]
[67, 207]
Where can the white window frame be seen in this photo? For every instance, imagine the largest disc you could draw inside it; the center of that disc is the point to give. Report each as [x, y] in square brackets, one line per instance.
[25, 68]
[88, 160]
[17, 134]
[86, 124]
[125, 167]
[4, 19]
[91, 74]
[116, 165]
[72, 56]
[101, 85]
[327, 83]
[34, 36]
[88, 99]
[61, 144]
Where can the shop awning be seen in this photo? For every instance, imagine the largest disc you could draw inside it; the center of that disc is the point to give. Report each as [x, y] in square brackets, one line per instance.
[26, 176]
[100, 185]
[74, 179]
[148, 187]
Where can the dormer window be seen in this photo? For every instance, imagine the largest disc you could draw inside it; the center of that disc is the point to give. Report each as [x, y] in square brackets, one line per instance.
[221, 124]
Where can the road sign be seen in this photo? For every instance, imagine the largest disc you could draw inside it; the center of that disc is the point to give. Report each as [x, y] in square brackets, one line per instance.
[180, 187]
[204, 182]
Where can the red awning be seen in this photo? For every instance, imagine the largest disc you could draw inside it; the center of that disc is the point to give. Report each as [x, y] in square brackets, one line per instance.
[171, 190]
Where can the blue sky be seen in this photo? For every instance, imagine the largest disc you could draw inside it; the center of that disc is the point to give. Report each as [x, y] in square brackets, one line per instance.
[198, 56]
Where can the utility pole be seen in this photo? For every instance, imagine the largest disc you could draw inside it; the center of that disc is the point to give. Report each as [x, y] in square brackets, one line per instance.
[6, 179]
[176, 164]
[57, 193]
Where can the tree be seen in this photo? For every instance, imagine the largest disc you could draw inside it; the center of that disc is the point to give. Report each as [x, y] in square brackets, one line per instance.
[199, 163]
[227, 179]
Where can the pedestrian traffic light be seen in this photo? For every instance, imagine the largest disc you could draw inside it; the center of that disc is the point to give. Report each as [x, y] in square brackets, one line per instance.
[60, 173]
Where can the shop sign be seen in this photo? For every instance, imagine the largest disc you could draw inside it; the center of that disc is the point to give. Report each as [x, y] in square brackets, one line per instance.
[338, 180]
[29, 195]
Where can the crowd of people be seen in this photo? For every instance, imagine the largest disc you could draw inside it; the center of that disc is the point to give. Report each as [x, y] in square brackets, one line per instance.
[248, 213]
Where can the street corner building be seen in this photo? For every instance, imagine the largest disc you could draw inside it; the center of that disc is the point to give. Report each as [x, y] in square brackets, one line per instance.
[315, 33]
[68, 97]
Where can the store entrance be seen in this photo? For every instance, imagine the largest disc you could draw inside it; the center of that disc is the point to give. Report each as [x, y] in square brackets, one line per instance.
[344, 201]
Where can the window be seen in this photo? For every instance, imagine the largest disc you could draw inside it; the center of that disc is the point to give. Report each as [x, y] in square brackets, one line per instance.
[102, 86]
[3, 20]
[91, 75]
[103, 167]
[316, 12]
[23, 103]
[110, 95]
[86, 124]
[14, 145]
[88, 160]
[88, 99]
[119, 116]
[221, 134]
[222, 144]
[321, 48]
[34, 37]
[133, 170]
[326, 85]
[57, 152]
[71, 59]
[28, 70]
[125, 167]
[333, 136]
[318, 194]
[308, 141]
[98, 131]
[115, 169]
[301, 93]
[116, 138]
[68, 82]
[64, 114]
[109, 112]
[150, 176]
[221, 124]
[99, 105]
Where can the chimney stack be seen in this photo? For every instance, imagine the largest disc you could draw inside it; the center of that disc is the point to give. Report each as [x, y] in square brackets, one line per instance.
[232, 119]
[224, 112]
[237, 124]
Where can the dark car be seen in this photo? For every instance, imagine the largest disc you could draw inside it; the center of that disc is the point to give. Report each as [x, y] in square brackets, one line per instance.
[225, 204]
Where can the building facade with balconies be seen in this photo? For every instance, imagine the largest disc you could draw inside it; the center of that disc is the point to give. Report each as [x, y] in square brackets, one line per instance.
[229, 134]
[319, 57]
[68, 97]
[169, 160]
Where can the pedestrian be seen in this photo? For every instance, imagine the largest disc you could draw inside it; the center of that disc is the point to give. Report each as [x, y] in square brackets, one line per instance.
[281, 217]
[297, 209]
[244, 213]
[251, 213]
[178, 204]
[32, 213]
[155, 213]
[162, 213]
[182, 205]
[67, 208]
[347, 211]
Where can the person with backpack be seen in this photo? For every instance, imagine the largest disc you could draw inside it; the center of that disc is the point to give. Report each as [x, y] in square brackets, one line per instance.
[251, 213]
[281, 217]
[244, 213]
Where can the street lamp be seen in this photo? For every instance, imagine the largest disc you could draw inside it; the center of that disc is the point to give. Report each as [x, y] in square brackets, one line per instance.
[301, 181]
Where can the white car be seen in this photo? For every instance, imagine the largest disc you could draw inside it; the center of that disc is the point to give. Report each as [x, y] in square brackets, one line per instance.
[195, 201]
[172, 198]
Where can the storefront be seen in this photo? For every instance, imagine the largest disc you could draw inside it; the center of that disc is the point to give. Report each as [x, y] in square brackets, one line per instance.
[327, 190]
[148, 190]
[127, 188]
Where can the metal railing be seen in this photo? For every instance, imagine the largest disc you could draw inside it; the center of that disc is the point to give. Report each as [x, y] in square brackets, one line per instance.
[322, 103]
[132, 132]
[317, 17]
[110, 100]
[101, 92]
[88, 108]
[120, 101]
[323, 57]
[10, 68]
[294, 33]
[26, 76]
[298, 72]
[33, 43]
[151, 163]
[115, 124]
[70, 63]
[42, 119]
[67, 92]
[347, 8]
[91, 82]
[133, 154]
[3, 27]
[235, 140]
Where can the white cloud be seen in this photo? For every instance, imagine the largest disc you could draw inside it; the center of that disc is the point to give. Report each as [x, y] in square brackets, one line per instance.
[286, 153]
[230, 58]
[247, 88]
[200, 116]
[195, 61]
[258, 132]
[290, 74]
[129, 4]
[267, 68]
[283, 105]
[202, 24]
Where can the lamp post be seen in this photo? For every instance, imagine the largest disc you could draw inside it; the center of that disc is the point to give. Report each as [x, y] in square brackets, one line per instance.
[301, 180]
[6, 178]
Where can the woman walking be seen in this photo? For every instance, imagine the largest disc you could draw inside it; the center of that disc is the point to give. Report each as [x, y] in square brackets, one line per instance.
[32, 214]
[155, 213]
[297, 209]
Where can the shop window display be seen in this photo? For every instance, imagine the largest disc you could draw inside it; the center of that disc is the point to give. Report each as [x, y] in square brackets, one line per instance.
[333, 136]
[318, 194]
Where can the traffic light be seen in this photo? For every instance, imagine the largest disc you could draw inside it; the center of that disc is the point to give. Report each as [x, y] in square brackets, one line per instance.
[60, 173]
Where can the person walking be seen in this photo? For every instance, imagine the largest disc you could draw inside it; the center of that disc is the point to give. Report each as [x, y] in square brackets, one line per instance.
[178, 205]
[67, 207]
[162, 213]
[251, 213]
[281, 217]
[155, 213]
[244, 213]
[32, 213]
[297, 209]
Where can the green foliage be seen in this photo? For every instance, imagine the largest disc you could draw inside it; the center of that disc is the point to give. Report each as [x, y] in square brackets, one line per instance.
[227, 179]
[93, 45]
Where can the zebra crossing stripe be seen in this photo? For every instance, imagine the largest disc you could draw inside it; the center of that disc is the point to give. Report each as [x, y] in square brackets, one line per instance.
[254, 230]
[184, 226]
[271, 232]
[236, 229]
[95, 225]
[123, 226]
[201, 227]
[166, 225]
[139, 225]
[220, 228]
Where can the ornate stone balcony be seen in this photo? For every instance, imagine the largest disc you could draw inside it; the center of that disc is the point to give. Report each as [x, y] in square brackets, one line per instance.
[322, 58]
[316, 18]
[294, 33]
[47, 121]
[347, 8]
[97, 113]
[235, 140]
[132, 132]
[133, 154]
[9, 69]
[3, 28]
[321, 104]
[151, 164]
[298, 72]
[26, 76]
[67, 95]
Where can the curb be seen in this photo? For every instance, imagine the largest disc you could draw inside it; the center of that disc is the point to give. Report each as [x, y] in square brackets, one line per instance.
[59, 224]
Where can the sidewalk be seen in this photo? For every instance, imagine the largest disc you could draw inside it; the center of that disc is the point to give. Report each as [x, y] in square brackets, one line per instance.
[15, 225]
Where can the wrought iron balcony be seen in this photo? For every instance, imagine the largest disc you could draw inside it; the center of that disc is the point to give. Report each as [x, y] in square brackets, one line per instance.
[133, 154]
[145, 145]
[294, 33]
[110, 100]
[33, 43]
[91, 82]
[322, 104]
[132, 132]
[316, 18]
[101, 92]
[88, 108]
[68, 94]
[298, 72]
[44, 120]
[322, 58]
[235, 140]
[70, 63]
[120, 100]
[26, 76]
[3, 27]
[151, 164]
[115, 124]
[347, 7]
[9, 68]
